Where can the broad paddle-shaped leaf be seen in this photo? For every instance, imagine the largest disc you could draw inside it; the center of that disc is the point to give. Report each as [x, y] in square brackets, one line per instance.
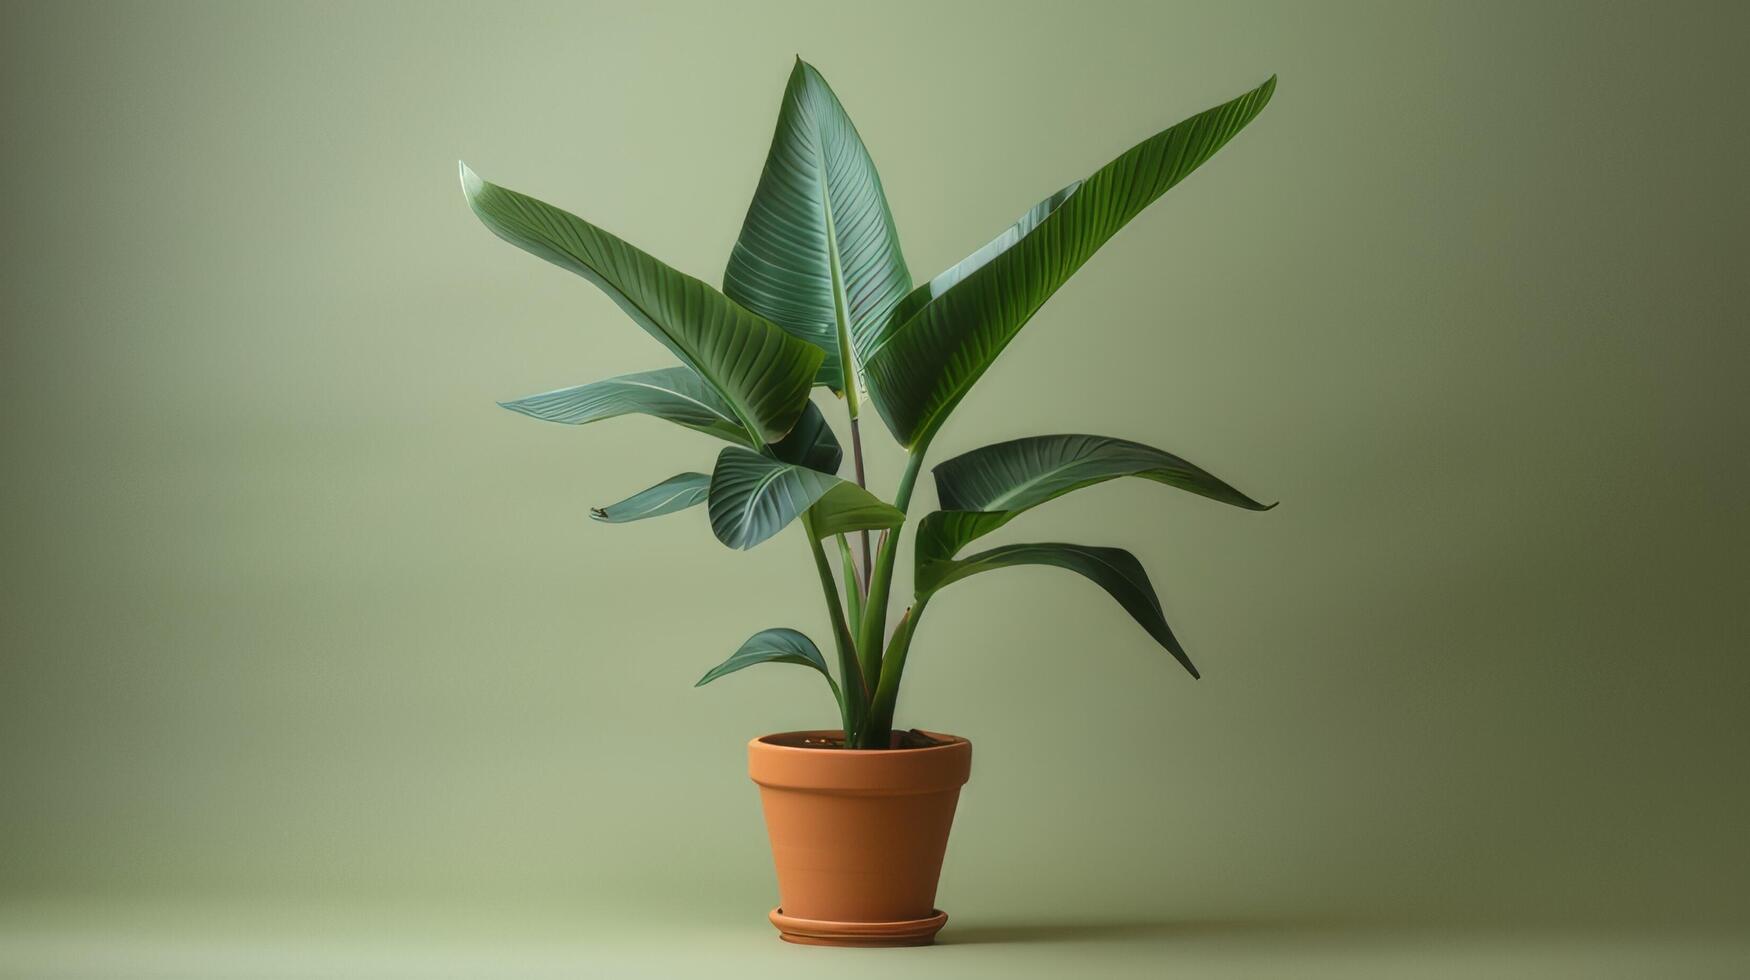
[818, 254]
[773, 646]
[1113, 569]
[986, 488]
[1023, 473]
[919, 367]
[676, 394]
[761, 372]
[753, 497]
[675, 493]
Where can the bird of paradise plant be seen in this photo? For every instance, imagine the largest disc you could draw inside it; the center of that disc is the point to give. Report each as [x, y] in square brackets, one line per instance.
[817, 293]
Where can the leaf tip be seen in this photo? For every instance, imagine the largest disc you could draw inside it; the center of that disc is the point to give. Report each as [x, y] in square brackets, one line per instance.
[471, 182]
[598, 514]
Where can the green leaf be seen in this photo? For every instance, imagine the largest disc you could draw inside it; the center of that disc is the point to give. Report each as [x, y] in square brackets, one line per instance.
[675, 493]
[1113, 569]
[1023, 473]
[753, 497]
[988, 487]
[919, 367]
[818, 254]
[676, 394]
[761, 372]
[811, 443]
[773, 646]
[848, 507]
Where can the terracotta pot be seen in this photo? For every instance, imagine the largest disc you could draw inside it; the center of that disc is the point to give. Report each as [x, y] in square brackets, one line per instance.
[858, 835]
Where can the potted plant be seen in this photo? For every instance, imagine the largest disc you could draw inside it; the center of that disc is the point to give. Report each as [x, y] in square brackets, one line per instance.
[817, 294]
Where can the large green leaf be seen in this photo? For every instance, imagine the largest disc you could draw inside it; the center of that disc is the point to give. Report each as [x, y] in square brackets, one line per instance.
[762, 372]
[988, 487]
[676, 394]
[773, 646]
[675, 493]
[1113, 569]
[753, 497]
[818, 254]
[1023, 473]
[919, 367]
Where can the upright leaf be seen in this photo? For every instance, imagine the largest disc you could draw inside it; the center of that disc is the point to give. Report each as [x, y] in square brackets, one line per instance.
[1113, 569]
[753, 497]
[818, 254]
[918, 369]
[762, 373]
[675, 493]
[773, 646]
[676, 394]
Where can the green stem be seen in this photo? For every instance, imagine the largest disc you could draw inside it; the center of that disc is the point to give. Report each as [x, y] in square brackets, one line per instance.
[854, 692]
[893, 667]
[853, 586]
[874, 632]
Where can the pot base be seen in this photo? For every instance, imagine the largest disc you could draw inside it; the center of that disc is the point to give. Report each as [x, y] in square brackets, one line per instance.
[814, 932]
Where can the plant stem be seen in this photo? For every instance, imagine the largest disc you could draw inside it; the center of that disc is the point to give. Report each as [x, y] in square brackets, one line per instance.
[874, 632]
[892, 668]
[857, 458]
[854, 693]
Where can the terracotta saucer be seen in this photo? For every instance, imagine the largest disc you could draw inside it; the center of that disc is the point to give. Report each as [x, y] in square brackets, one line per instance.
[814, 932]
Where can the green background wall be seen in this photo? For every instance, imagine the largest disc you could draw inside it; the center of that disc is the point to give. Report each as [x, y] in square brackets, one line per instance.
[291, 610]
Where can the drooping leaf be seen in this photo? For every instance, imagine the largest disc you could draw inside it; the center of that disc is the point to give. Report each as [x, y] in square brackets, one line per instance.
[675, 493]
[818, 254]
[773, 646]
[761, 372]
[989, 487]
[920, 367]
[753, 497]
[1113, 569]
[811, 443]
[676, 394]
[1023, 473]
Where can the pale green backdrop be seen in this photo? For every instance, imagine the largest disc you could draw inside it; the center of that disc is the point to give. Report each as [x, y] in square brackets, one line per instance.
[292, 614]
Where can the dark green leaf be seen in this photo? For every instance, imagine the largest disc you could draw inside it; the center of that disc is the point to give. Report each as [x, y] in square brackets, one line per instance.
[818, 254]
[811, 443]
[676, 394]
[753, 497]
[762, 372]
[773, 646]
[1113, 569]
[920, 367]
[675, 493]
[1023, 473]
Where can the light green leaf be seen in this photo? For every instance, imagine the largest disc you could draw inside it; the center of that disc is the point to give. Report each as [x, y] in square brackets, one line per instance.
[753, 497]
[675, 493]
[1113, 569]
[920, 367]
[761, 372]
[779, 646]
[676, 394]
[818, 254]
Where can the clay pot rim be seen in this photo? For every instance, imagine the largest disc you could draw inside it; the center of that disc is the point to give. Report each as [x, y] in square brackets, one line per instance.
[904, 771]
[767, 743]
